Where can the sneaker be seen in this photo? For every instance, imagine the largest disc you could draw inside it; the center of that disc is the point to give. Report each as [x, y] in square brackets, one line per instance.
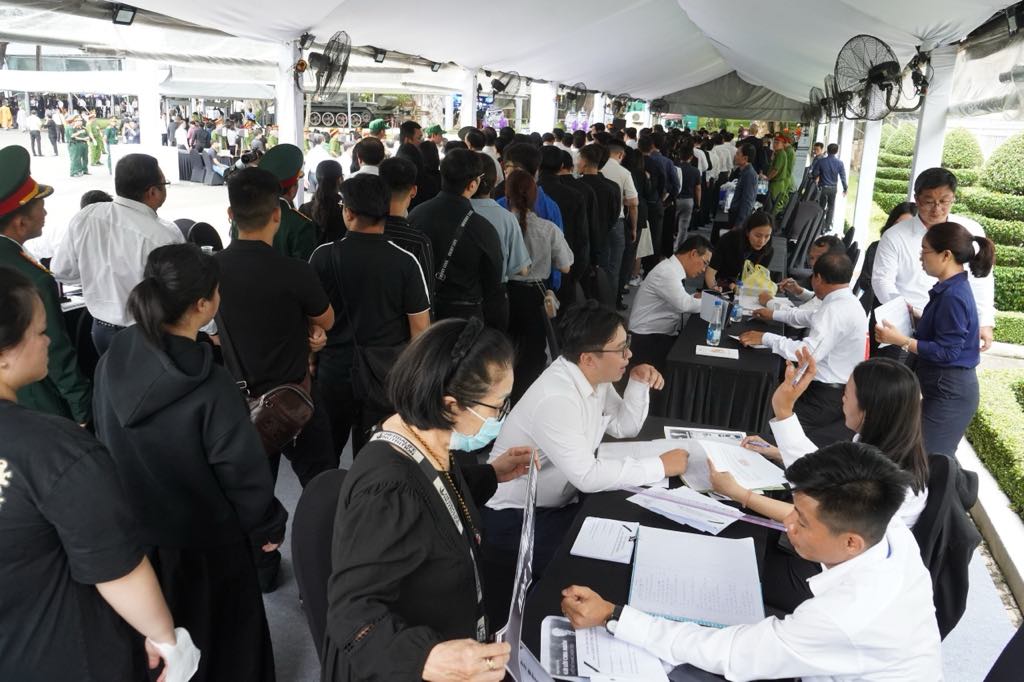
[636, 281]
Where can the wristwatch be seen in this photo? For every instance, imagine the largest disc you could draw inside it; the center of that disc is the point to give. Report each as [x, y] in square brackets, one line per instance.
[613, 620]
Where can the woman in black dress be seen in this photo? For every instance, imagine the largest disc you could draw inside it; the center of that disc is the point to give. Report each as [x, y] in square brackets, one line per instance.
[751, 243]
[192, 464]
[405, 599]
[72, 571]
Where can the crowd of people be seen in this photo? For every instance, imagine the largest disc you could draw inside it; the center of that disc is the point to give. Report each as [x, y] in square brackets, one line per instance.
[457, 310]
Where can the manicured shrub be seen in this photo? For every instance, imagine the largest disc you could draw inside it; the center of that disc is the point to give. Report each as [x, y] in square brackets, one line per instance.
[1004, 171]
[902, 141]
[889, 173]
[1010, 328]
[889, 160]
[992, 204]
[884, 186]
[1009, 256]
[960, 149]
[997, 431]
[1008, 232]
[888, 202]
[1009, 288]
[967, 177]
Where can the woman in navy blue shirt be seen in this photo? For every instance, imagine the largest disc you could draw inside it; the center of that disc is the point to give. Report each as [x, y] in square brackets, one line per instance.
[946, 336]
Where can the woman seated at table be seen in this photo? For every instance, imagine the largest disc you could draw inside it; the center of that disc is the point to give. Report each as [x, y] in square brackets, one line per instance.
[752, 243]
[405, 599]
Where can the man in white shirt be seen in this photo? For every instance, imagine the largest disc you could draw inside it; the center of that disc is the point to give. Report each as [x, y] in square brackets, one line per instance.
[106, 244]
[318, 152]
[625, 228]
[368, 153]
[871, 617]
[662, 301]
[564, 415]
[721, 160]
[800, 297]
[837, 339]
[34, 126]
[897, 270]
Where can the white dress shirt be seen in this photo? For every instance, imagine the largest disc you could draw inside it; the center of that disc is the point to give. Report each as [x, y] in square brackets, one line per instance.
[105, 248]
[838, 335]
[871, 618]
[565, 418]
[367, 170]
[898, 272]
[794, 444]
[720, 160]
[614, 171]
[661, 301]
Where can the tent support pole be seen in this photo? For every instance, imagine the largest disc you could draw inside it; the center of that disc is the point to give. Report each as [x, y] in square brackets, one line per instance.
[866, 186]
[467, 112]
[542, 106]
[289, 101]
[931, 124]
[846, 154]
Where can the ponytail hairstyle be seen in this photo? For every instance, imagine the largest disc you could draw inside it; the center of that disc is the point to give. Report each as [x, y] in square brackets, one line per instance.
[326, 207]
[978, 252]
[176, 277]
[521, 193]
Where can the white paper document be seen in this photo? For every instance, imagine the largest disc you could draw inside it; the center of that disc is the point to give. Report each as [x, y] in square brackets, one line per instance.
[690, 508]
[599, 653]
[896, 313]
[735, 337]
[749, 302]
[605, 539]
[690, 577]
[750, 469]
[637, 449]
[718, 352]
[531, 668]
[707, 305]
[687, 432]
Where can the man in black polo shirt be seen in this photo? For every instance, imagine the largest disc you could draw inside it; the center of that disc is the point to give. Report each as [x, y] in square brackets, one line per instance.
[609, 198]
[467, 253]
[274, 309]
[573, 207]
[399, 177]
[380, 292]
[594, 225]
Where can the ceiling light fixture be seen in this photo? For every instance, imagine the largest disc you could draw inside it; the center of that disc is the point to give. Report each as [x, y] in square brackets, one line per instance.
[123, 15]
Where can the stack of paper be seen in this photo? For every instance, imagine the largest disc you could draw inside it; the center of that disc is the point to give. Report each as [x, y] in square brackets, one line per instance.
[688, 432]
[690, 508]
[750, 469]
[897, 313]
[637, 449]
[684, 576]
[605, 539]
[592, 653]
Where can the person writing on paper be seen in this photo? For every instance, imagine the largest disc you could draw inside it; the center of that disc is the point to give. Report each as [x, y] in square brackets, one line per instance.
[796, 294]
[662, 301]
[751, 243]
[947, 356]
[871, 616]
[896, 271]
[404, 597]
[838, 332]
[565, 414]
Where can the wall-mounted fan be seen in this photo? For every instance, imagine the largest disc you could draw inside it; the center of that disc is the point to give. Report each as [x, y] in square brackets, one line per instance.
[575, 96]
[867, 69]
[507, 85]
[831, 105]
[815, 109]
[620, 105]
[329, 66]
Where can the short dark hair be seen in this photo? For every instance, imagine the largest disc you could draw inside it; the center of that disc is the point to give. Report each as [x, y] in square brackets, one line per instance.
[253, 194]
[749, 151]
[645, 144]
[176, 276]
[567, 161]
[490, 176]
[832, 243]
[453, 358]
[933, 178]
[135, 174]
[370, 151]
[407, 130]
[586, 327]
[547, 137]
[858, 489]
[398, 174]
[454, 144]
[465, 130]
[696, 243]
[459, 168]
[834, 268]
[551, 159]
[17, 306]
[94, 196]
[526, 156]
[594, 154]
[475, 140]
[367, 196]
[955, 238]
[833, 148]
[820, 145]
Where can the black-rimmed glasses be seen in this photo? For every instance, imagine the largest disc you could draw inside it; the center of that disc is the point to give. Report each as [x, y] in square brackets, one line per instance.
[502, 411]
[622, 349]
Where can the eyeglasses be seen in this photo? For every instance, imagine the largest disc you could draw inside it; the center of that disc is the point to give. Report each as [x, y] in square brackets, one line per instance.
[162, 184]
[622, 350]
[932, 205]
[502, 411]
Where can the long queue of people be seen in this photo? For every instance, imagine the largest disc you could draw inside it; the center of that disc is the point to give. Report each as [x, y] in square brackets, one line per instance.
[416, 313]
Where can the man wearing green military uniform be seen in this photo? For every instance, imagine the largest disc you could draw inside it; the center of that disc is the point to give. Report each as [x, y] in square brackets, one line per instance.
[95, 140]
[65, 391]
[110, 135]
[297, 235]
[78, 148]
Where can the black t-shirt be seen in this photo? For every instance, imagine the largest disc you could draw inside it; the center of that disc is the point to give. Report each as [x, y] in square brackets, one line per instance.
[691, 179]
[266, 300]
[381, 284]
[398, 230]
[733, 248]
[66, 526]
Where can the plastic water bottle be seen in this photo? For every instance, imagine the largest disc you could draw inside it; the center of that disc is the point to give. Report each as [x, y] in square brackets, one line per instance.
[715, 326]
[736, 311]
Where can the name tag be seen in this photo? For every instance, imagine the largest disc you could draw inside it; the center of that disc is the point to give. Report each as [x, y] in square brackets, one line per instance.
[718, 352]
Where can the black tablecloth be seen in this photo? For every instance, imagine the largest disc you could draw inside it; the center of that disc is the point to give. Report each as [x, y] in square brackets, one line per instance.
[720, 392]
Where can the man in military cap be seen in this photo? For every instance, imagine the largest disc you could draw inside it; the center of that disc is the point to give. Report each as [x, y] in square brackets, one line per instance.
[78, 147]
[435, 134]
[65, 391]
[297, 235]
[378, 128]
[95, 140]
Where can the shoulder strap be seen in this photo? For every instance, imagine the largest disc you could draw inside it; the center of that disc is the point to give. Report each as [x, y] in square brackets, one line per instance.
[442, 272]
[231, 357]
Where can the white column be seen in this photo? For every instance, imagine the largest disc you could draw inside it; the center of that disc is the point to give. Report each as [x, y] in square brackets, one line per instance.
[833, 131]
[519, 113]
[543, 108]
[289, 111]
[449, 112]
[598, 114]
[467, 112]
[866, 184]
[931, 124]
[151, 124]
[845, 154]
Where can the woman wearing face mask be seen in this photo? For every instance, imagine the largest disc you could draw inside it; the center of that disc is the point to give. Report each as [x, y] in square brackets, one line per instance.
[405, 599]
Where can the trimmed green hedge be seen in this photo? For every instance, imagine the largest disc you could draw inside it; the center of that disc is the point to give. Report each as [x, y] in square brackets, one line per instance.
[997, 432]
[889, 173]
[967, 177]
[1004, 171]
[888, 202]
[1009, 288]
[1008, 232]
[961, 150]
[1010, 327]
[887, 130]
[992, 204]
[885, 186]
[902, 141]
[1009, 256]
[890, 160]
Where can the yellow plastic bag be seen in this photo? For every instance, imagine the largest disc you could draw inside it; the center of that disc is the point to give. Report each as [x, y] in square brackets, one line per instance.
[756, 279]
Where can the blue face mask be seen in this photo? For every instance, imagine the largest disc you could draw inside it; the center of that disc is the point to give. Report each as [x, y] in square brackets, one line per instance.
[484, 436]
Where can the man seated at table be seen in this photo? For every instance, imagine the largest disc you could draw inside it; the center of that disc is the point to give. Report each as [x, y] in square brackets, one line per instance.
[837, 339]
[871, 616]
[564, 414]
[661, 301]
[796, 294]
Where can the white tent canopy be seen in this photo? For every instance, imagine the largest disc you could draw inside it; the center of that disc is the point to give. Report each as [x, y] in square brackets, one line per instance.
[648, 48]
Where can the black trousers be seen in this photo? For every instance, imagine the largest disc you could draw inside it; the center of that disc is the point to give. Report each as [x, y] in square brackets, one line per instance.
[820, 410]
[313, 451]
[949, 399]
[36, 140]
[526, 328]
[53, 143]
[334, 376]
[827, 199]
[655, 220]
[102, 335]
